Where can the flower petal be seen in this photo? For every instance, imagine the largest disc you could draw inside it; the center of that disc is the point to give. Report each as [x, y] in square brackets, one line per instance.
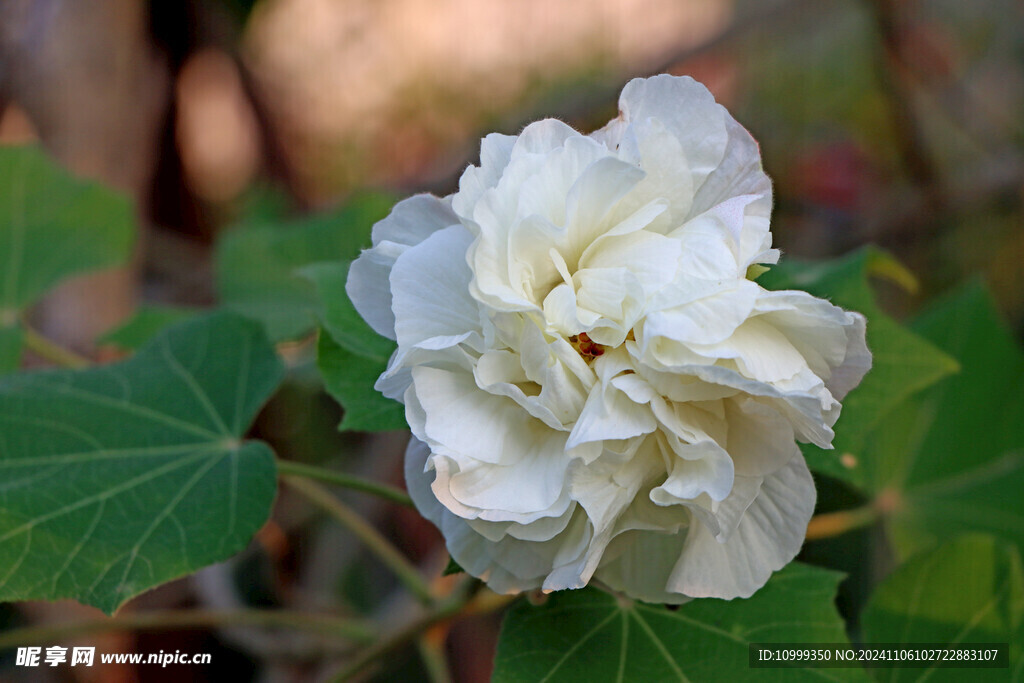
[458, 420]
[595, 386]
[510, 565]
[651, 258]
[495, 152]
[610, 414]
[640, 562]
[856, 362]
[649, 144]
[768, 537]
[705, 321]
[698, 468]
[739, 173]
[761, 440]
[688, 111]
[430, 288]
[494, 460]
[590, 199]
[761, 352]
[410, 222]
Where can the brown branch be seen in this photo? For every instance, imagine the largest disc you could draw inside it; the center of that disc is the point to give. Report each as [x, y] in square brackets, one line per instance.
[276, 161]
[895, 83]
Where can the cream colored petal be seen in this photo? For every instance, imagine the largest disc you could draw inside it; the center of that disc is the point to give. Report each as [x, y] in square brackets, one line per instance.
[767, 538]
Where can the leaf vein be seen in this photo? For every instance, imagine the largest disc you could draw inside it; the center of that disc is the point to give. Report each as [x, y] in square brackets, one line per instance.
[197, 391]
[660, 646]
[131, 408]
[81, 544]
[579, 643]
[158, 520]
[103, 495]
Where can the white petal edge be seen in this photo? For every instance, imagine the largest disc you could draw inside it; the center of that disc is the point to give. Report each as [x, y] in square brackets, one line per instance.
[767, 538]
[410, 222]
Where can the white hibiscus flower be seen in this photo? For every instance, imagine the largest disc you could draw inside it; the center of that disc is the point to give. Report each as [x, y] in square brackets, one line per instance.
[595, 387]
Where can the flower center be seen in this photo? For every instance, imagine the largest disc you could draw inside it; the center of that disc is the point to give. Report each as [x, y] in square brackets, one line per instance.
[586, 347]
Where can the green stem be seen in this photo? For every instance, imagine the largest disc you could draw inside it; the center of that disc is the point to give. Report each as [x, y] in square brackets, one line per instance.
[52, 352]
[288, 467]
[434, 660]
[170, 619]
[831, 524]
[446, 610]
[374, 541]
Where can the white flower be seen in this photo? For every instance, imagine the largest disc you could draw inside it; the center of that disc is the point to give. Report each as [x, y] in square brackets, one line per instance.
[595, 387]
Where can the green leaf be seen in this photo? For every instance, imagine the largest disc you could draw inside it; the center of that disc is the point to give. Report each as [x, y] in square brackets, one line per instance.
[979, 409]
[969, 590]
[257, 264]
[952, 460]
[351, 356]
[263, 202]
[904, 363]
[10, 348]
[147, 322]
[118, 478]
[340, 318]
[592, 637]
[349, 379]
[53, 225]
[452, 567]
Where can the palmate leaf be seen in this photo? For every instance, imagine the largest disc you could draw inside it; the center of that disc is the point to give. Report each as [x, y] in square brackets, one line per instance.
[118, 478]
[938, 457]
[904, 363]
[952, 459]
[52, 226]
[146, 323]
[349, 379]
[351, 356]
[969, 590]
[10, 347]
[594, 637]
[340, 319]
[258, 264]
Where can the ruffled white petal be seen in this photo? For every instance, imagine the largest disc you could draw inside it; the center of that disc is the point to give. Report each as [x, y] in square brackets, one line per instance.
[495, 152]
[688, 111]
[856, 362]
[640, 562]
[430, 292]
[410, 222]
[595, 387]
[610, 414]
[767, 538]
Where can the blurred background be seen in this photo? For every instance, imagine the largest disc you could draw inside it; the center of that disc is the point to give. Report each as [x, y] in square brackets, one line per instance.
[894, 122]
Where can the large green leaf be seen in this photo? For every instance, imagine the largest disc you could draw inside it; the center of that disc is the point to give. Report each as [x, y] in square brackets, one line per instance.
[147, 322]
[980, 409]
[938, 457]
[52, 226]
[970, 590]
[340, 318]
[592, 637]
[349, 379]
[903, 362]
[10, 347]
[351, 356]
[118, 478]
[952, 459]
[257, 264]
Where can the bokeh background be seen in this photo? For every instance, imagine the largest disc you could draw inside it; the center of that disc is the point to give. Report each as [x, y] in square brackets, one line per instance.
[894, 122]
